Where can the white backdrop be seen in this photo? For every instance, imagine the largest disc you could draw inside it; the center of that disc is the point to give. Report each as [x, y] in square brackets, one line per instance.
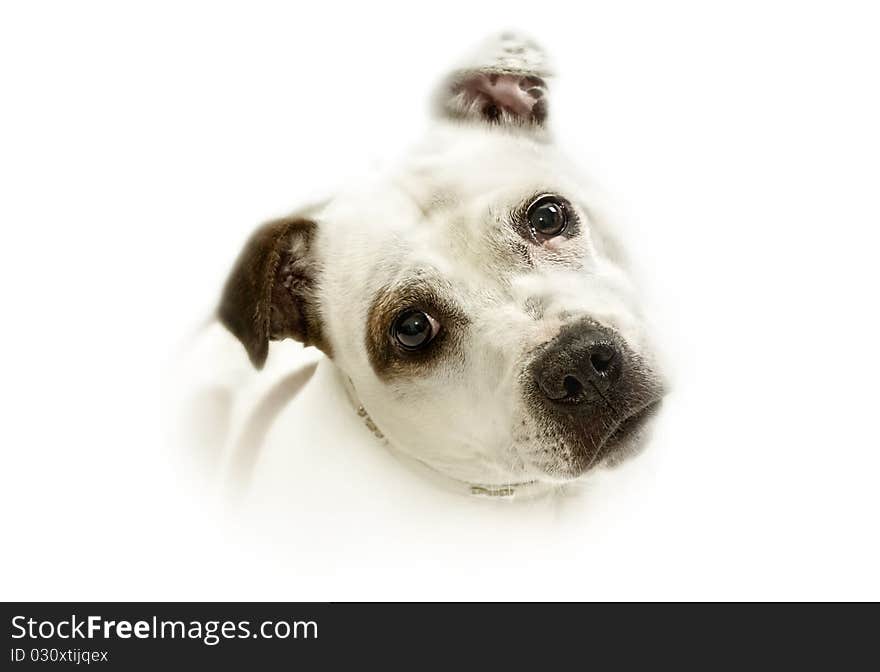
[140, 144]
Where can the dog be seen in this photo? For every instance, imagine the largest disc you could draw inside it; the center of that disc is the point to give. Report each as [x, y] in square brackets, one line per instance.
[473, 309]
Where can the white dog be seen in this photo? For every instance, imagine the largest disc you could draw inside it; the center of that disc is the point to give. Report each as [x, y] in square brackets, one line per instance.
[473, 310]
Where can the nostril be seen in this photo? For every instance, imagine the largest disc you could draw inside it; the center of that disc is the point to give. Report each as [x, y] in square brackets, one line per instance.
[572, 385]
[602, 358]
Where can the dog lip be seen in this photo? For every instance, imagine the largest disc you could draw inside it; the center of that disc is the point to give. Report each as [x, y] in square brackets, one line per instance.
[629, 425]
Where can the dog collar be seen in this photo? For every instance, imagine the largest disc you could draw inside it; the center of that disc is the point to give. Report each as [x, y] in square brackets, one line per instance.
[503, 491]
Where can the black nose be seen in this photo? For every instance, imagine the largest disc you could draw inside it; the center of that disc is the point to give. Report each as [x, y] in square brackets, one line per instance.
[581, 364]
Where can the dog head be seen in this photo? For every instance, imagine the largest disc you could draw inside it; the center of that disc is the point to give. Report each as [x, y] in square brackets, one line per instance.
[475, 297]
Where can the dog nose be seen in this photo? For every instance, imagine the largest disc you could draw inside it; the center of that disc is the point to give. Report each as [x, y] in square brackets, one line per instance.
[589, 394]
[580, 365]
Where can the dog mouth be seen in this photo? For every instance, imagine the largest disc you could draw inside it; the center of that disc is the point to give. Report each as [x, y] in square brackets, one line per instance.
[628, 429]
[625, 438]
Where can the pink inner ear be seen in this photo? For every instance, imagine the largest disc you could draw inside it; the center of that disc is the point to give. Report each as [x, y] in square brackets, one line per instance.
[516, 95]
[505, 90]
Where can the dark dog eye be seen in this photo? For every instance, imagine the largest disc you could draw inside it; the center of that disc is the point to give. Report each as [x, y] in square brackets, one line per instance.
[547, 216]
[414, 329]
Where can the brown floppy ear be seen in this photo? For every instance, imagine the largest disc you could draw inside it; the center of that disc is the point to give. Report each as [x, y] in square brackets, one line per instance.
[271, 291]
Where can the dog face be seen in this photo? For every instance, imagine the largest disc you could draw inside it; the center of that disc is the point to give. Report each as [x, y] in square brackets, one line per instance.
[475, 297]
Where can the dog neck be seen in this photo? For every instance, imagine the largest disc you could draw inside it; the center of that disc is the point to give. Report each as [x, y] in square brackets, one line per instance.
[508, 491]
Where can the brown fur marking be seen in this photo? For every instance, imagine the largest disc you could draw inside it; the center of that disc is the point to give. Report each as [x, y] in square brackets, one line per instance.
[270, 293]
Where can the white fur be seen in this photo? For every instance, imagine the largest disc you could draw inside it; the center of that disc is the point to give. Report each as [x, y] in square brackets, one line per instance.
[464, 416]
[445, 212]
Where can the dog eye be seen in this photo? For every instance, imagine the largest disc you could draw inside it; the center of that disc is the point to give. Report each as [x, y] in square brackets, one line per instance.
[547, 217]
[414, 329]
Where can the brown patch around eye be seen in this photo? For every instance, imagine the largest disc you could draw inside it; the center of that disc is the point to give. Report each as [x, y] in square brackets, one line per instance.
[389, 360]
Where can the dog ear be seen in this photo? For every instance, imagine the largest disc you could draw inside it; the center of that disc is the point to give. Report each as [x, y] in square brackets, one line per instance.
[504, 83]
[271, 291]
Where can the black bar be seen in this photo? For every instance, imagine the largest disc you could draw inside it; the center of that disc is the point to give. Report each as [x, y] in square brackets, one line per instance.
[414, 635]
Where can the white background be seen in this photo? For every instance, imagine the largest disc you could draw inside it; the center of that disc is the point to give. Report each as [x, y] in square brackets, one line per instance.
[139, 145]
